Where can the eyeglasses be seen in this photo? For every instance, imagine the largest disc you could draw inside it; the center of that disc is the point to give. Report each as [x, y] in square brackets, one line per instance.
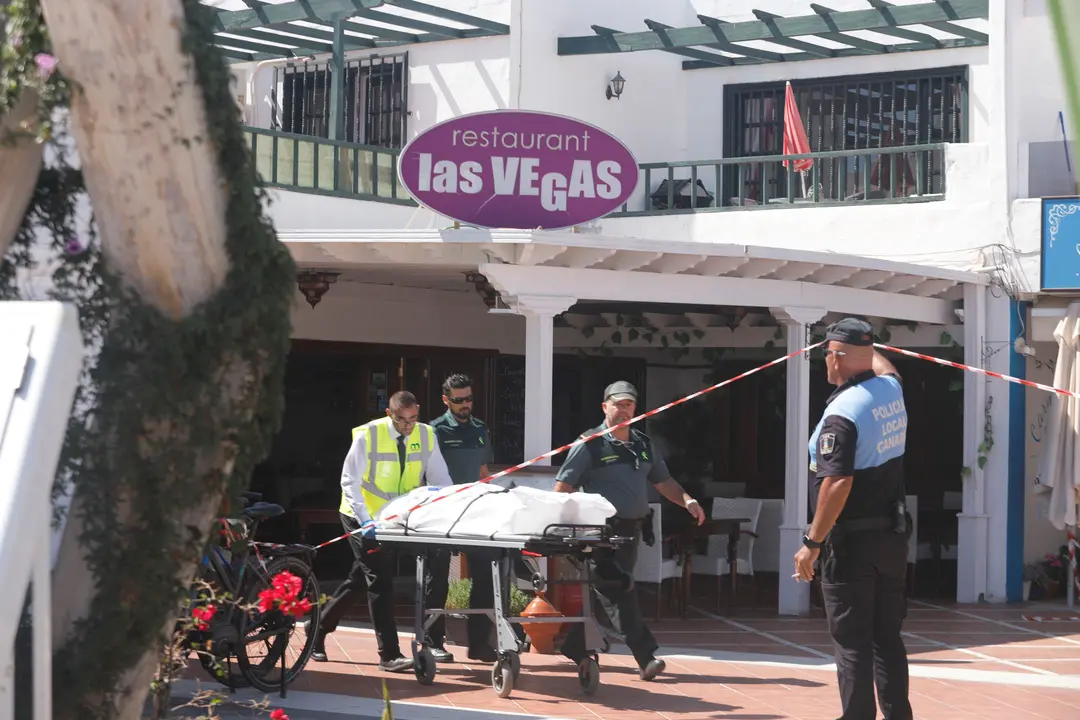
[460, 400]
[828, 351]
[404, 420]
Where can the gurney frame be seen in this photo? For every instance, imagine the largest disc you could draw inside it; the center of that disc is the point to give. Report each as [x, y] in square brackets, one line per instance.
[565, 540]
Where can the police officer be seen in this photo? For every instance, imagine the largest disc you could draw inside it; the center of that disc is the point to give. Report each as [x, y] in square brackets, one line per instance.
[620, 466]
[389, 457]
[465, 445]
[859, 525]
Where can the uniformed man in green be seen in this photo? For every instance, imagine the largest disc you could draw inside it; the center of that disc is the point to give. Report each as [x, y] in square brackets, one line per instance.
[464, 443]
[620, 466]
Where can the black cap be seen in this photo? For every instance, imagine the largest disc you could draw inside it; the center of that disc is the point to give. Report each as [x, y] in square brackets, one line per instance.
[851, 331]
[620, 390]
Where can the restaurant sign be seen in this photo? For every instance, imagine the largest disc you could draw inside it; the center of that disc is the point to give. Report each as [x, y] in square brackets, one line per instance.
[518, 169]
[1060, 269]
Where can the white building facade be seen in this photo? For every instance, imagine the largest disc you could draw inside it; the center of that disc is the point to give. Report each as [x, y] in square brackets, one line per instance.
[931, 124]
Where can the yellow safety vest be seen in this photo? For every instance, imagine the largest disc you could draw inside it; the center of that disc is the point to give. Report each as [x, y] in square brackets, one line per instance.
[384, 479]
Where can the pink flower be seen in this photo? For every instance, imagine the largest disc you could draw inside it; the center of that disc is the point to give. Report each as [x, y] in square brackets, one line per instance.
[46, 64]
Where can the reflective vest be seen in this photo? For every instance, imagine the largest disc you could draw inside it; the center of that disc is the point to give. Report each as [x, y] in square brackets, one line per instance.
[383, 478]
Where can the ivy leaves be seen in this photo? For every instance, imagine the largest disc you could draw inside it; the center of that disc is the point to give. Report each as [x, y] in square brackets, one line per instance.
[637, 329]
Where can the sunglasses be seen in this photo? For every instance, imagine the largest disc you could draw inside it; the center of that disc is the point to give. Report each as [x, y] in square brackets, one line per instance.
[838, 353]
[460, 400]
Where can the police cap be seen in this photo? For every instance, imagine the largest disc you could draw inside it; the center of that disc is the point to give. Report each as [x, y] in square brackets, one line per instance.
[851, 331]
[620, 390]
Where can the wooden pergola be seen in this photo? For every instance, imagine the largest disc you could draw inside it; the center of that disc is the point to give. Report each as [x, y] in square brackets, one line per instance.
[265, 31]
[882, 28]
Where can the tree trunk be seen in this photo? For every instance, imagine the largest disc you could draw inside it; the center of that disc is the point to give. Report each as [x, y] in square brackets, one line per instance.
[168, 208]
[21, 161]
[140, 127]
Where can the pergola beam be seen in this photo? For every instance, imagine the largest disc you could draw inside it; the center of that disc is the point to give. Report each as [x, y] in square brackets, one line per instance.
[256, 47]
[803, 25]
[298, 43]
[898, 32]
[716, 26]
[451, 15]
[311, 10]
[948, 27]
[780, 39]
[705, 61]
[847, 39]
[846, 52]
[351, 42]
[405, 22]
[661, 30]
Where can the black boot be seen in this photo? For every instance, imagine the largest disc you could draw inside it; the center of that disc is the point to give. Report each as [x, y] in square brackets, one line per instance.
[318, 654]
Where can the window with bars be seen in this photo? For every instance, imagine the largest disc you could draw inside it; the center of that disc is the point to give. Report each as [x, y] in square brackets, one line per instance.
[848, 113]
[375, 100]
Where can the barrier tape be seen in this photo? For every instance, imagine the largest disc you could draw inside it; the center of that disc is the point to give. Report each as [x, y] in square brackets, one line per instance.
[990, 373]
[583, 440]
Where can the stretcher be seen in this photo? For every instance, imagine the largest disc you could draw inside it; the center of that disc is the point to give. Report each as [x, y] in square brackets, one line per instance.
[578, 541]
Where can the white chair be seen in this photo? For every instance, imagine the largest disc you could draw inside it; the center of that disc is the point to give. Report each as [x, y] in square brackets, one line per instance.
[651, 566]
[715, 561]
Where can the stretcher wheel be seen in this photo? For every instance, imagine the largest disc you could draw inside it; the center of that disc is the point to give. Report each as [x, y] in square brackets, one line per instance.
[538, 582]
[589, 675]
[424, 667]
[502, 678]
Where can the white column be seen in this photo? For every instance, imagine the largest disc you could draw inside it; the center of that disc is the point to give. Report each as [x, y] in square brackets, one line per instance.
[794, 595]
[539, 311]
[971, 549]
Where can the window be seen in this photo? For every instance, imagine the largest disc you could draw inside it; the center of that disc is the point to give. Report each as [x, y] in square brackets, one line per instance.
[375, 107]
[849, 113]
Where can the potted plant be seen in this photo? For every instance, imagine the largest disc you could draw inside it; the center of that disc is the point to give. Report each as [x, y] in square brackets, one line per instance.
[1054, 572]
[457, 598]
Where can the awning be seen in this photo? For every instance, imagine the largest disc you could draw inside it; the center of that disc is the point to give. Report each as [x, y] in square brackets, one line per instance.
[253, 30]
[1057, 483]
[881, 28]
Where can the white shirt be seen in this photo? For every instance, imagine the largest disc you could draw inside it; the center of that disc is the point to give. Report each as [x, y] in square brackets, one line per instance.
[435, 474]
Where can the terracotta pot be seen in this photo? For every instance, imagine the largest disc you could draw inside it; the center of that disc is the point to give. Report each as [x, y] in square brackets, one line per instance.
[541, 635]
[569, 603]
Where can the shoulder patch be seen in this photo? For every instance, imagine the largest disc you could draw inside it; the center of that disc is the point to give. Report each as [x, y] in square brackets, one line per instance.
[827, 443]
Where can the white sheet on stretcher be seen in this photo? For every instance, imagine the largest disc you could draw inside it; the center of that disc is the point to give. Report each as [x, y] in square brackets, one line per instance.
[481, 509]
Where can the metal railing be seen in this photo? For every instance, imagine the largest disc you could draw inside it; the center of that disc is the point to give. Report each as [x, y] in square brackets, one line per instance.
[328, 167]
[843, 177]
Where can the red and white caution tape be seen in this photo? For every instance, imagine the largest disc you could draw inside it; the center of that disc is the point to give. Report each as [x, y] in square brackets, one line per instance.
[981, 371]
[605, 431]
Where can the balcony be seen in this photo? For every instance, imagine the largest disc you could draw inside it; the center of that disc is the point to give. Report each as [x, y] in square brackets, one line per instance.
[303, 163]
[917, 173]
[872, 176]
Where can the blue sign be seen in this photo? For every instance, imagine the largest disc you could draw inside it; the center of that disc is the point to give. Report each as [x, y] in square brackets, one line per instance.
[1060, 244]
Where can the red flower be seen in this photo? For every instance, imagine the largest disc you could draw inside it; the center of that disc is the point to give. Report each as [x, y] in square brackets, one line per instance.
[282, 594]
[279, 714]
[202, 616]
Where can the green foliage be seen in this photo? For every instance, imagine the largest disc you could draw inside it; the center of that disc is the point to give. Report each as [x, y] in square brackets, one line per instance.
[458, 596]
[173, 414]
[988, 438]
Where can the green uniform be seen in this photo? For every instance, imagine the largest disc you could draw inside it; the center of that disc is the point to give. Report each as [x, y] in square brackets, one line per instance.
[621, 472]
[465, 446]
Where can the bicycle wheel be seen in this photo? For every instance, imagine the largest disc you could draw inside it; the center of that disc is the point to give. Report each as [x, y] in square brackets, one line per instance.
[269, 637]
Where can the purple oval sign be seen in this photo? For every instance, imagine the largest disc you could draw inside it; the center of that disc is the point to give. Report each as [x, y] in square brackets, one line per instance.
[518, 169]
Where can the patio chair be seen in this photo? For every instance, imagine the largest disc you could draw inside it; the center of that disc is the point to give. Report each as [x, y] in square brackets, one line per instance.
[715, 561]
[651, 566]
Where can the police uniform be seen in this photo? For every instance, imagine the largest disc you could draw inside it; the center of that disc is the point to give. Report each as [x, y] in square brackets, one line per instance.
[466, 447]
[864, 558]
[383, 464]
[621, 472]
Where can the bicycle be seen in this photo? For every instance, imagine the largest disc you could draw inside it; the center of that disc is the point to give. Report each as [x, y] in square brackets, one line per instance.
[236, 629]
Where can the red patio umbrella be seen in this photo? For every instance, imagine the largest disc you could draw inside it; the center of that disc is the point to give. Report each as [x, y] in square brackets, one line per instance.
[795, 141]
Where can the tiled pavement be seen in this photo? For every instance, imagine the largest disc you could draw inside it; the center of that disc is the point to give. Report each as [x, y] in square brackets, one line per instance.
[966, 662]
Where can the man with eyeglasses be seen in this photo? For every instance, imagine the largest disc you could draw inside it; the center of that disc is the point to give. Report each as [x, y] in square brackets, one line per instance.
[620, 466]
[389, 457]
[860, 523]
[464, 441]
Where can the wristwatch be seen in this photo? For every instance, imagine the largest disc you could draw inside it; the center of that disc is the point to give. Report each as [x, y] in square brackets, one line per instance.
[810, 543]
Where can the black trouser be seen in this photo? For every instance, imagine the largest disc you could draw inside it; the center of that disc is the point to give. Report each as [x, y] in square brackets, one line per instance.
[374, 567]
[863, 578]
[613, 575]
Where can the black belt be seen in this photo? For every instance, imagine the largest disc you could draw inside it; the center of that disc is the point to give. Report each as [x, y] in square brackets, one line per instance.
[864, 524]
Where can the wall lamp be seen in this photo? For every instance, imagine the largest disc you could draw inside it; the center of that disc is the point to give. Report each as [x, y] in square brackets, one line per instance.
[615, 87]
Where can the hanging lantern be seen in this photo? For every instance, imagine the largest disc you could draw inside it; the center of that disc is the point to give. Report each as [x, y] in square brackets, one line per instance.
[314, 284]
